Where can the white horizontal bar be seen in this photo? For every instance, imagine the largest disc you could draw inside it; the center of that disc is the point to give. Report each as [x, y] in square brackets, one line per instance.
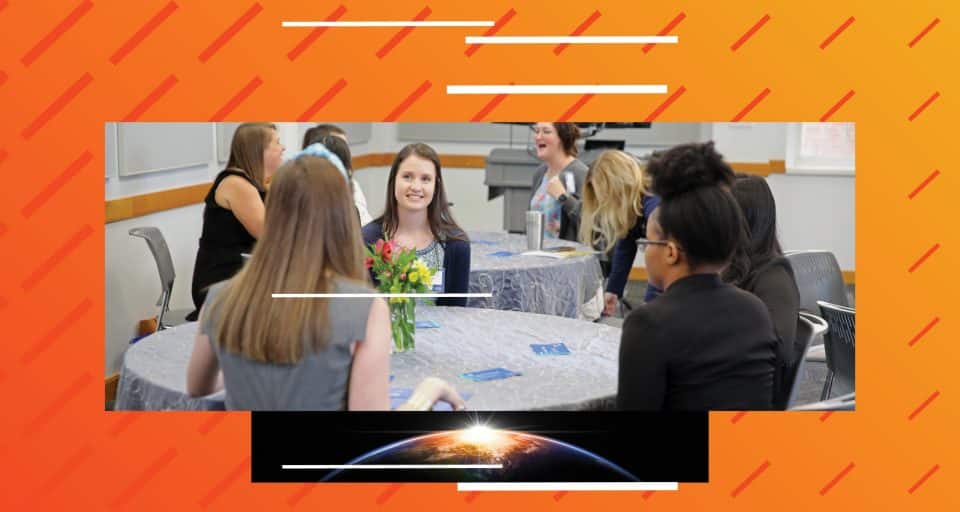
[392, 466]
[364, 24]
[571, 40]
[557, 89]
[380, 295]
[567, 486]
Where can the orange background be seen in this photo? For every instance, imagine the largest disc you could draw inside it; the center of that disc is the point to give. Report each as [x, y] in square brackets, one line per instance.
[61, 450]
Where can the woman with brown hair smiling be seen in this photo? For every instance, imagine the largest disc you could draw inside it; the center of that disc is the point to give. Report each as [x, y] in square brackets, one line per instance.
[301, 354]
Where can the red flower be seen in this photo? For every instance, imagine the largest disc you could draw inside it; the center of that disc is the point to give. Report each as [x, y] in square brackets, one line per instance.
[387, 251]
[379, 246]
[403, 277]
[368, 262]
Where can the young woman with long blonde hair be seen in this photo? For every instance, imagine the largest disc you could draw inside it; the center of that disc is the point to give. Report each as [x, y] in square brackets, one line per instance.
[616, 205]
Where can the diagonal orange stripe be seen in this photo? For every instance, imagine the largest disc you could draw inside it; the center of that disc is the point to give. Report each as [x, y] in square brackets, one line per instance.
[322, 101]
[315, 34]
[62, 327]
[753, 103]
[666, 103]
[58, 183]
[575, 107]
[224, 484]
[492, 104]
[923, 107]
[402, 33]
[58, 104]
[581, 28]
[230, 32]
[61, 28]
[59, 403]
[301, 493]
[924, 331]
[61, 253]
[665, 30]
[126, 419]
[497, 25]
[923, 478]
[836, 107]
[144, 478]
[405, 104]
[237, 99]
[388, 493]
[923, 405]
[138, 37]
[835, 480]
[151, 98]
[210, 424]
[749, 33]
[923, 258]
[924, 183]
[69, 466]
[826, 42]
[923, 32]
[750, 478]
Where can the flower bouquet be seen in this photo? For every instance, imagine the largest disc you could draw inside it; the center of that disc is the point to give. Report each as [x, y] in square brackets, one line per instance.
[399, 271]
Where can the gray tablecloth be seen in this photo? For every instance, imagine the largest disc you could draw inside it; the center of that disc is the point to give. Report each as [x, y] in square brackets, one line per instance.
[533, 284]
[154, 370]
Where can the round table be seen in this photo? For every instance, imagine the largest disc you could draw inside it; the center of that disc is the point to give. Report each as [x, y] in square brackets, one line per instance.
[153, 376]
[533, 284]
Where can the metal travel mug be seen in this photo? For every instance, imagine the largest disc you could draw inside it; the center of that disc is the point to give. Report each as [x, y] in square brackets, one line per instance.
[534, 230]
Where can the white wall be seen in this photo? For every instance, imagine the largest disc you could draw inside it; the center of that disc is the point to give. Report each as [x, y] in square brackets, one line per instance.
[815, 212]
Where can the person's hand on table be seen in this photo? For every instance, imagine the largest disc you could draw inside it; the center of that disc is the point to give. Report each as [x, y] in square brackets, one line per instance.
[429, 392]
[610, 301]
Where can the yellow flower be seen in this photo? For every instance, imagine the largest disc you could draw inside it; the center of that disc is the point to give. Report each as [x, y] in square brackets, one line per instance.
[424, 271]
[413, 277]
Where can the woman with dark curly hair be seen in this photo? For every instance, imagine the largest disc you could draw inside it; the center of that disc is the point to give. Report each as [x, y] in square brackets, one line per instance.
[703, 344]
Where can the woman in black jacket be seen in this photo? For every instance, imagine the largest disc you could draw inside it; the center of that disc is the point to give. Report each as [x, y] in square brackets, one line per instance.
[760, 268]
[703, 344]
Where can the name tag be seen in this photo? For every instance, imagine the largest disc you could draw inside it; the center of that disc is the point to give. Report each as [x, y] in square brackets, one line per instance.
[438, 282]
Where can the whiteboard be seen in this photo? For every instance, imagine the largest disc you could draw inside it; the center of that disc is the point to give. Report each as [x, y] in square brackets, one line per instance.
[657, 135]
[357, 133]
[821, 148]
[154, 147]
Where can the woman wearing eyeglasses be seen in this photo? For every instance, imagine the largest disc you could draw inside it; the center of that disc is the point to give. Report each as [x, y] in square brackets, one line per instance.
[703, 344]
[558, 182]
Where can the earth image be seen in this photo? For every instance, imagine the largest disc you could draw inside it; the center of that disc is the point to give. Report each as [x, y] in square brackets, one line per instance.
[523, 458]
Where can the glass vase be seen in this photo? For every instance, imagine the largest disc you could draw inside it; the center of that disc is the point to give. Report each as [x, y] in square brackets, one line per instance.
[403, 324]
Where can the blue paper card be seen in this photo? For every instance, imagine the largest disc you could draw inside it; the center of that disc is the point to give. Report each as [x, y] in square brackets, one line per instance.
[426, 324]
[501, 254]
[491, 374]
[550, 349]
[400, 395]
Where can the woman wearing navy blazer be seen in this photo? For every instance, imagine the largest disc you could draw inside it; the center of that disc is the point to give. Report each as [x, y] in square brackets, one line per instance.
[417, 215]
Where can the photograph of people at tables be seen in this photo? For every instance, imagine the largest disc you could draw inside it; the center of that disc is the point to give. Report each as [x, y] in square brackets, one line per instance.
[480, 266]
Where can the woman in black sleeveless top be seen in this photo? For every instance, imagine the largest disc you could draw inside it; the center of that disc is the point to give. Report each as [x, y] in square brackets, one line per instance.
[233, 210]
